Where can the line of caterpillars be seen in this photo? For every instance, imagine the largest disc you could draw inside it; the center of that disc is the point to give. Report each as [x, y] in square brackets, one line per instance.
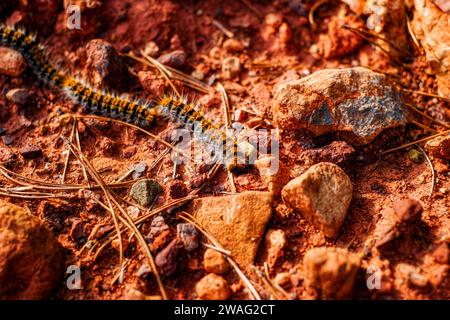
[111, 105]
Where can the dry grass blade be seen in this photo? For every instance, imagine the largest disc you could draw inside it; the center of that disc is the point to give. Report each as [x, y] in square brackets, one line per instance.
[189, 218]
[415, 142]
[66, 162]
[125, 218]
[425, 127]
[423, 114]
[221, 27]
[426, 94]
[273, 288]
[313, 9]
[433, 175]
[252, 8]
[413, 36]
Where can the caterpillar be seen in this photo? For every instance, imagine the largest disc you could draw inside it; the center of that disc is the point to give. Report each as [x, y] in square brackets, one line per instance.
[112, 105]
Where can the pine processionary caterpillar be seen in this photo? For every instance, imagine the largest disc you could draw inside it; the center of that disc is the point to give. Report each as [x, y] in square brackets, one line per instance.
[112, 105]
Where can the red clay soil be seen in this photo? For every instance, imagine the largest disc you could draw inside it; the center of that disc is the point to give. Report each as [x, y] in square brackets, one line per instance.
[278, 44]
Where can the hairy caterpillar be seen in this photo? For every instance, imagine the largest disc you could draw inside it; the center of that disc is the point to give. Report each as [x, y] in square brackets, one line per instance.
[114, 106]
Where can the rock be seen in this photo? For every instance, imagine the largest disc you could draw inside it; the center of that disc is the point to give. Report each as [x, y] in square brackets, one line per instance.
[231, 66]
[431, 27]
[151, 49]
[12, 62]
[159, 233]
[138, 169]
[19, 96]
[188, 234]
[273, 173]
[442, 254]
[339, 41]
[134, 294]
[407, 212]
[145, 191]
[439, 147]
[152, 83]
[77, 231]
[337, 152]
[177, 189]
[143, 271]
[212, 287]
[106, 146]
[275, 243]
[31, 152]
[104, 65]
[166, 260]
[174, 59]
[357, 103]
[331, 270]
[31, 260]
[214, 262]
[323, 195]
[237, 222]
[412, 275]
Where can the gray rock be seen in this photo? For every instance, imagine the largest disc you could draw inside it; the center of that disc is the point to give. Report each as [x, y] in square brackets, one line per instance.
[145, 191]
[356, 102]
[138, 169]
[188, 234]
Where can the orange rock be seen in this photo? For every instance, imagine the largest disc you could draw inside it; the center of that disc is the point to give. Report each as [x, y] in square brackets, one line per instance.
[212, 287]
[214, 262]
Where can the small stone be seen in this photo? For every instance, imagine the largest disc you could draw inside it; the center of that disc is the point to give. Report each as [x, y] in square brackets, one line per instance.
[356, 102]
[408, 211]
[283, 279]
[275, 243]
[322, 194]
[177, 189]
[138, 169]
[174, 59]
[143, 271]
[416, 156]
[212, 287]
[145, 191]
[19, 96]
[129, 151]
[214, 262]
[151, 49]
[31, 152]
[134, 294]
[331, 270]
[188, 234]
[439, 147]
[233, 45]
[104, 65]
[273, 173]
[53, 214]
[231, 67]
[337, 152]
[12, 62]
[31, 260]
[159, 234]
[412, 275]
[166, 260]
[236, 221]
[107, 146]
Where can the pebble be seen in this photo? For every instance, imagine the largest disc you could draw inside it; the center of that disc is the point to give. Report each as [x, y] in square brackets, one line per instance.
[283, 279]
[273, 172]
[19, 96]
[231, 66]
[214, 262]
[233, 45]
[12, 62]
[159, 233]
[323, 195]
[439, 147]
[236, 221]
[442, 254]
[77, 230]
[145, 191]
[212, 287]
[31, 260]
[166, 259]
[275, 242]
[331, 270]
[138, 169]
[174, 59]
[104, 65]
[177, 189]
[188, 234]
[408, 211]
[31, 152]
[355, 102]
[54, 214]
[337, 152]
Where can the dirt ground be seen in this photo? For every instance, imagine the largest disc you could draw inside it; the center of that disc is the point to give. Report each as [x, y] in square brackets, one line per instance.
[275, 42]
